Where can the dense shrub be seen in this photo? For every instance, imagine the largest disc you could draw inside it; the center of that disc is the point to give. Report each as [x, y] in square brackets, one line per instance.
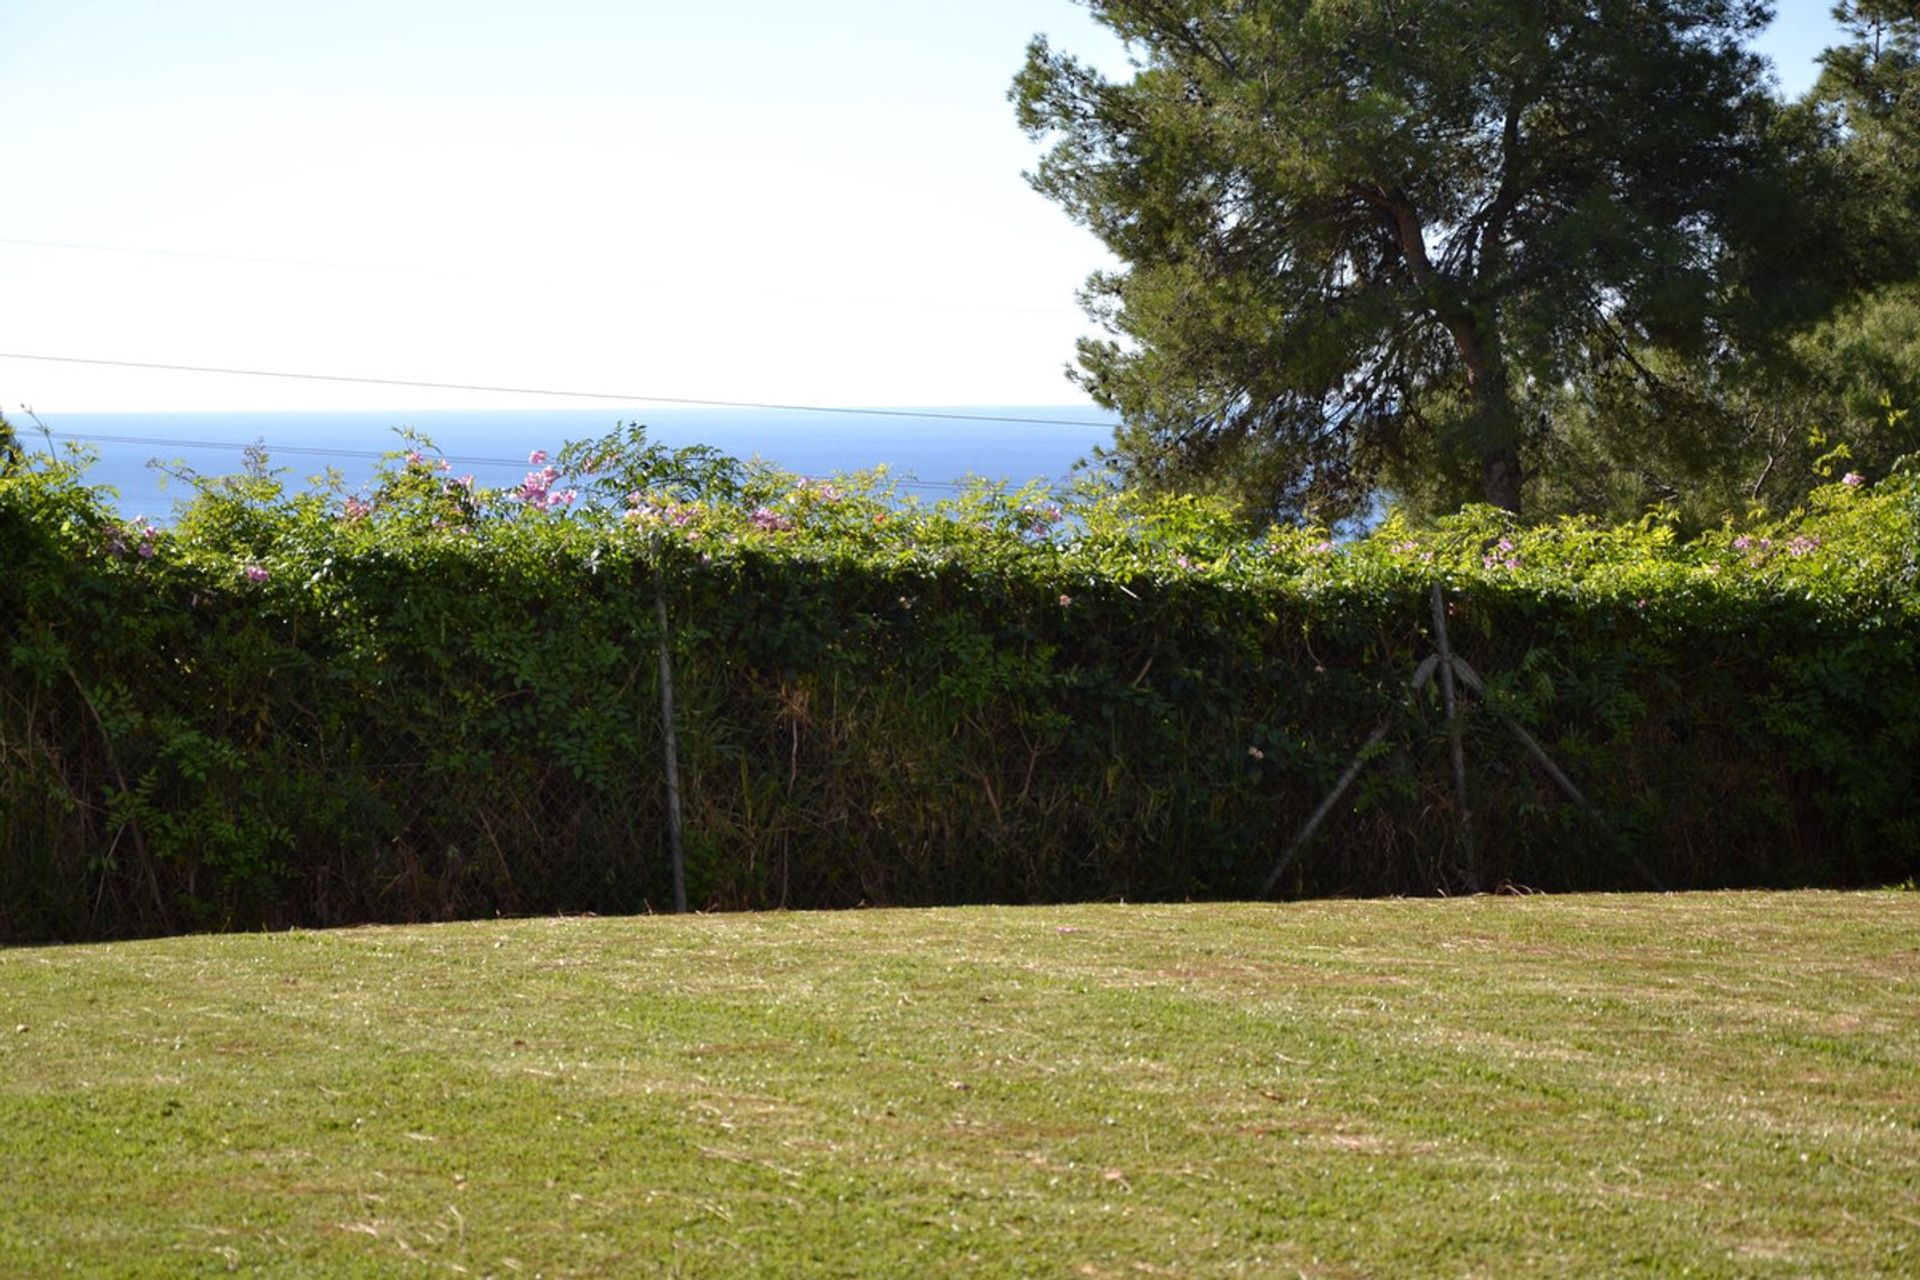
[421, 700]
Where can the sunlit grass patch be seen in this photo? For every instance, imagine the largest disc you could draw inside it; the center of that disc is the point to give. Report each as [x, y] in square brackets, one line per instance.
[1728, 1084]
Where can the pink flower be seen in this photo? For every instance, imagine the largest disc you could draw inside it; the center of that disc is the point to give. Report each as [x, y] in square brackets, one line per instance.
[414, 458]
[770, 520]
[537, 457]
[1066, 601]
[255, 573]
[1853, 479]
[117, 545]
[535, 487]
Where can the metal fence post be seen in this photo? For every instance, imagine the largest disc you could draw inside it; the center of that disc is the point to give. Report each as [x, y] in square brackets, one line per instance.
[668, 738]
[1454, 745]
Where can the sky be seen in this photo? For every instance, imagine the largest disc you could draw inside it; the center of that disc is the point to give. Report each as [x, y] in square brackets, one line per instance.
[761, 201]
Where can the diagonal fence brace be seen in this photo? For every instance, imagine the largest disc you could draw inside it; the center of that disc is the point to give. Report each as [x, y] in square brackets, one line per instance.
[1421, 675]
[1450, 666]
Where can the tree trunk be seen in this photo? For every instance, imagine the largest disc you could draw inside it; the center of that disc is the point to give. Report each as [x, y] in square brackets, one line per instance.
[1476, 338]
[1500, 476]
[1497, 426]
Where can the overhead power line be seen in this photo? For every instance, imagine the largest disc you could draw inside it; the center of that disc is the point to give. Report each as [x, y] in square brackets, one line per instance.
[304, 450]
[630, 397]
[323, 451]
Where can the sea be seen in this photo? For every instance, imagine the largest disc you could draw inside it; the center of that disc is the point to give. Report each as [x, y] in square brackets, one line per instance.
[930, 453]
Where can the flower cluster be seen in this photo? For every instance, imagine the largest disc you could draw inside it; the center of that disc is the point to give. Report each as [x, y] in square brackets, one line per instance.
[768, 520]
[1758, 550]
[677, 514]
[118, 546]
[536, 489]
[1503, 556]
[1041, 520]
[418, 460]
[818, 490]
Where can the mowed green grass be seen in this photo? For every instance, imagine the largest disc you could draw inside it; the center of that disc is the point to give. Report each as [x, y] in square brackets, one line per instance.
[1714, 1084]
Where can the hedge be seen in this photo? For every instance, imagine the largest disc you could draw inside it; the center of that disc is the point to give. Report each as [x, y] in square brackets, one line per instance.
[423, 700]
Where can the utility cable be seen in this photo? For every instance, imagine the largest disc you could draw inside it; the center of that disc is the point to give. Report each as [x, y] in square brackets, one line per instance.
[700, 402]
[322, 451]
[312, 451]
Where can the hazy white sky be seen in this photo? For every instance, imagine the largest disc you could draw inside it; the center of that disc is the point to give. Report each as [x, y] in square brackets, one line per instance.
[763, 200]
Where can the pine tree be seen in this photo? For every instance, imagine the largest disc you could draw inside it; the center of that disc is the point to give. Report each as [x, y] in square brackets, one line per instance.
[1359, 231]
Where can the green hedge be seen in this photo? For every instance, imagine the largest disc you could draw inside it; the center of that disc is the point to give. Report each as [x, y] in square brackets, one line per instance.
[424, 701]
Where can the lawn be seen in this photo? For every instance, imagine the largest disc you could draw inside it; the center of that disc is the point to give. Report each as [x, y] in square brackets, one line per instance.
[1713, 1084]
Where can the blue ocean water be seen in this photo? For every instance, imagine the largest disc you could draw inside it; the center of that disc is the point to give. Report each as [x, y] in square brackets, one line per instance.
[928, 456]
